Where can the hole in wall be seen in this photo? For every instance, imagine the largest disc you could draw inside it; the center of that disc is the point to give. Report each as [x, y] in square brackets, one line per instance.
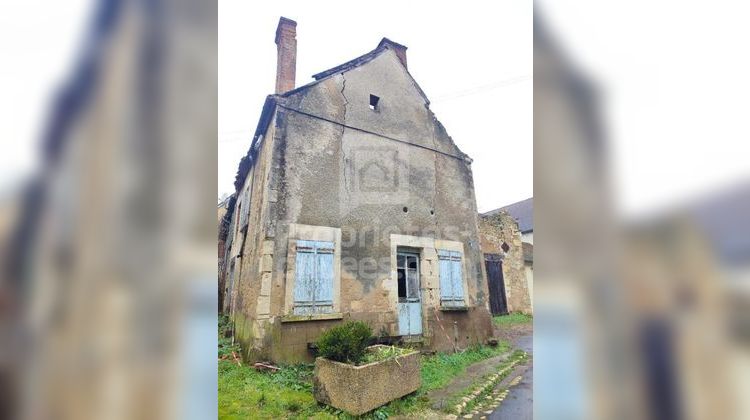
[374, 102]
[432, 212]
[406, 209]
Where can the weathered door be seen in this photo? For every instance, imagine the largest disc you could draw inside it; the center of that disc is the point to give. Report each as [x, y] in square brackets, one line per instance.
[409, 301]
[496, 283]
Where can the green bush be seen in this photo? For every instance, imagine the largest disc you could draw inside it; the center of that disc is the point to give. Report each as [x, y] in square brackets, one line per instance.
[346, 342]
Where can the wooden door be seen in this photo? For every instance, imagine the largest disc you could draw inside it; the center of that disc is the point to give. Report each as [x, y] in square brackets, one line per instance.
[409, 299]
[496, 283]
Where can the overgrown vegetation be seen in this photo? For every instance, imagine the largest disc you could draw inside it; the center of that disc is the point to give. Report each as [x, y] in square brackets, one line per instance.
[346, 343]
[226, 347]
[378, 354]
[513, 318]
[439, 369]
[245, 393]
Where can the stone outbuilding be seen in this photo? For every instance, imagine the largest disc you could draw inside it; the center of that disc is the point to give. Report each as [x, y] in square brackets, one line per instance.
[508, 262]
[353, 202]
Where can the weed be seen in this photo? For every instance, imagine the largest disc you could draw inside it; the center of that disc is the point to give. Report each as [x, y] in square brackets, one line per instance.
[262, 399]
[513, 318]
[380, 354]
[293, 406]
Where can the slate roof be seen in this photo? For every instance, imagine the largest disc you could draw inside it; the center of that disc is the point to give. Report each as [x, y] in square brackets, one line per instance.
[385, 44]
[522, 211]
[724, 219]
[362, 59]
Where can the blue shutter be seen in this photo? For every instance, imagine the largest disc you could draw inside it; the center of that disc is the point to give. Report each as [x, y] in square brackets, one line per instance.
[304, 284]
[324, 284]
[458, 278]
[313, 288]
[446, 282]
[451, 278]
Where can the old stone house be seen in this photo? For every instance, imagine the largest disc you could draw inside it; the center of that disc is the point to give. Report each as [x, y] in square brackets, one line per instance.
[508, 262]
[353, 202]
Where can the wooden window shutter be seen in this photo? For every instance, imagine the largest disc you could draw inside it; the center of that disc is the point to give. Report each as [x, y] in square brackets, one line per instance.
[451, 278]
[313, 287]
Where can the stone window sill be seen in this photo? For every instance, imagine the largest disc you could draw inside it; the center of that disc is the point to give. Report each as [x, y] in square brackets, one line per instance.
[316, 317]
[454, 308]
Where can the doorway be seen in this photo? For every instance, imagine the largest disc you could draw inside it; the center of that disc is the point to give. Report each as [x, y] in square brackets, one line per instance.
[496, 283]
[409, 300]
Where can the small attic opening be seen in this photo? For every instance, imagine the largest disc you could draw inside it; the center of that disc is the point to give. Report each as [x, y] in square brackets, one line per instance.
[374, 102]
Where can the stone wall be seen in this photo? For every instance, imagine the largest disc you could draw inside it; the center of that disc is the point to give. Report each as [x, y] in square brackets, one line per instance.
[494, 231]
[314, 170]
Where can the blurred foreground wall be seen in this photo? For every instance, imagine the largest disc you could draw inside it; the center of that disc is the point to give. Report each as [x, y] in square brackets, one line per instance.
[111, 265]
[633, 318]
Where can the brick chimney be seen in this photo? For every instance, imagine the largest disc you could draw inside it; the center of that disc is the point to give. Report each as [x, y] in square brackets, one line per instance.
[286, 59]
[399, 49]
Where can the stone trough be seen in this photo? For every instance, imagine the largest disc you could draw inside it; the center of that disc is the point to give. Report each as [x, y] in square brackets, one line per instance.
[359, 389]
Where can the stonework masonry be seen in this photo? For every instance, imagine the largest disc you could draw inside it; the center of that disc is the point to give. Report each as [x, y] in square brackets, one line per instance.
[494, 231]
[325, 166]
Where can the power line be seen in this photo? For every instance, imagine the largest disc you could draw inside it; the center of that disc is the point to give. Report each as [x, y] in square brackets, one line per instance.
[370, 132]
[483, 88]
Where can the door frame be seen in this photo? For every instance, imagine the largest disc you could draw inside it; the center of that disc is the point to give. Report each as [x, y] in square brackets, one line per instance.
[416, 254]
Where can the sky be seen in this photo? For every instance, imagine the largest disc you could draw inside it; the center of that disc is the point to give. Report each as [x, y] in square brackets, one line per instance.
[474, 64]
[672, 77]
[39, 40]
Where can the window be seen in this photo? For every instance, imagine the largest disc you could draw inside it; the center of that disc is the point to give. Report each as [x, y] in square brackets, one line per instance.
[374, 102]
[407, 266]
[451, 278]
[313, 286]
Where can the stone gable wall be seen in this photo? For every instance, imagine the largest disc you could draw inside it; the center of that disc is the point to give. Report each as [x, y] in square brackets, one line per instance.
[493, 232]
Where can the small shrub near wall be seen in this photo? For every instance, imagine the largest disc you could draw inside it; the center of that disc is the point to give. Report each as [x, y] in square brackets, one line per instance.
[346, 343]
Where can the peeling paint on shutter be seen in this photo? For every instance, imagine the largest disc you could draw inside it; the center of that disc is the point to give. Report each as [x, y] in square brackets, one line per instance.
[446, 282]
[458, 278]
[451, 278]
[313, 287]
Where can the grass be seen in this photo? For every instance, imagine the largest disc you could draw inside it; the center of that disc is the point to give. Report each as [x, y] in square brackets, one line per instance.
[245, 393]
[439, 369]
[518, 355]
[514, 318]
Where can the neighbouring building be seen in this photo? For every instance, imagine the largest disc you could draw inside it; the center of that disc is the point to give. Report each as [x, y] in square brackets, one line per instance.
[510, 272]
[353, 202]
[523, 213]
[508, 263]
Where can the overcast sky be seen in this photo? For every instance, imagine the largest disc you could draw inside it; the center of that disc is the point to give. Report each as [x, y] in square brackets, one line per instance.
[673, 79]
[38, 39]
[474, 63]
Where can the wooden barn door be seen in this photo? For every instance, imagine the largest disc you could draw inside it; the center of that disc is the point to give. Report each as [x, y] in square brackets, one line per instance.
[498, 302]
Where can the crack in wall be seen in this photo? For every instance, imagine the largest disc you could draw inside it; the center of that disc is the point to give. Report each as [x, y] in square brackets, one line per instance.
[435, 178]
[343, 128]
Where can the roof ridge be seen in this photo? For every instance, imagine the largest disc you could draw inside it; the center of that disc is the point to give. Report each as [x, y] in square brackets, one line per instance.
[362, 59]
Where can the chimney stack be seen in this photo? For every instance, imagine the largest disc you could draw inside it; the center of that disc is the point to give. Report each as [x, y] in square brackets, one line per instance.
[286, 59]
[399, 49]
